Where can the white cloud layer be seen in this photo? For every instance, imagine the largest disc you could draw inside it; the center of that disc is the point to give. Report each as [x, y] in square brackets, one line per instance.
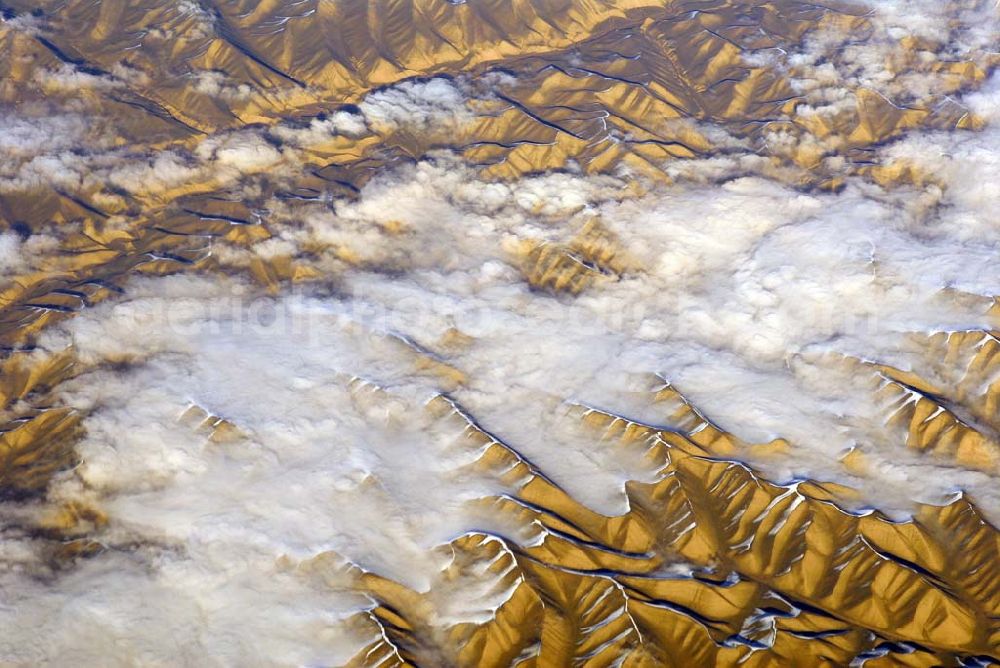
[738, 291]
